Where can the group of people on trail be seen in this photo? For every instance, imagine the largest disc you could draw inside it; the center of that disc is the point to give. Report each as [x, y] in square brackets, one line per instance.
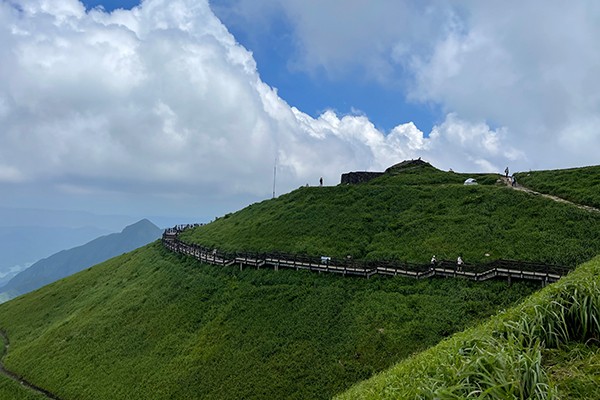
[459, 262]
[513, 180]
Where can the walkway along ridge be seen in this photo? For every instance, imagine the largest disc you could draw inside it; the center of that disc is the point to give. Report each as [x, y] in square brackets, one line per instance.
[477, 272]
[525, 189]
[17, 378]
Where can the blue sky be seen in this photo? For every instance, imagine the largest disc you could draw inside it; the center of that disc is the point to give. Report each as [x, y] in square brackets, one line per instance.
[184, 107]
[111, 5]
[315, 91]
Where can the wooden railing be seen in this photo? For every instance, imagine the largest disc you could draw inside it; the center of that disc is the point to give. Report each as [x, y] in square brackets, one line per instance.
[509, 269]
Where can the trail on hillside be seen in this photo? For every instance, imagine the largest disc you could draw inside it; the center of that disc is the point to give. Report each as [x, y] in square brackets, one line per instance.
[522, 188]
[15, 377]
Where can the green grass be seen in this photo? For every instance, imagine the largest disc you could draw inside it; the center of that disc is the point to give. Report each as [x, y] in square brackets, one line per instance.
[2, 348]
[545, 348]
[579, 185]
[429, 175]
[387, 220]
[11, 390]
[574, 370]
[155, 325]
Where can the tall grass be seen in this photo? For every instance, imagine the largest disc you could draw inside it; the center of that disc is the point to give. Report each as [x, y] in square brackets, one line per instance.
[579, 185]
[153, 324]
[503, 358]
[11, 390]
[410, 223]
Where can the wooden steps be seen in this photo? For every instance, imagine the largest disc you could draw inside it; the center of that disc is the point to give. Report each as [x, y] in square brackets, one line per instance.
[507, 269]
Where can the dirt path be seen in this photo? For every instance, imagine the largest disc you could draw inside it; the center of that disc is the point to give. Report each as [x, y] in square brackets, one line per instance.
[18, 378]
[548, 196]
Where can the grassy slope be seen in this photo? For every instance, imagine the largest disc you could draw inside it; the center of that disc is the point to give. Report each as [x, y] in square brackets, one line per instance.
[151, 324]
[543, 348]
[410, 217]
[10, 389]
[579, 185]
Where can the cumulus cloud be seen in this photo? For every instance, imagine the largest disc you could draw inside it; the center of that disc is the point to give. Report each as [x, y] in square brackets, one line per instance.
[161, 100]
[340, 37]
[530, 68]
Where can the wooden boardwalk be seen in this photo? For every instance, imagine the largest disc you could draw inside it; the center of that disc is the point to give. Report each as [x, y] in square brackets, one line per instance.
[507, 269]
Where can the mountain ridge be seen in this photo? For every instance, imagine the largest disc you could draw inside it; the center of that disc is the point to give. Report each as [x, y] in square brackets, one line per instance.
[67, 262]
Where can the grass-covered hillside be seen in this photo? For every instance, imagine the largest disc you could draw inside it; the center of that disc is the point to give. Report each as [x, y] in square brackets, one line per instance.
[155, 325]
[11, 390]
[545, 348]
[410, 215]
[579, 185]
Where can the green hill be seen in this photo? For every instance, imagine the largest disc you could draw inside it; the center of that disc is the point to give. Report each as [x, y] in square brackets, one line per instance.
[151, 324]
[579, 185]
[14, 391]
[410, 216]
[545, 348]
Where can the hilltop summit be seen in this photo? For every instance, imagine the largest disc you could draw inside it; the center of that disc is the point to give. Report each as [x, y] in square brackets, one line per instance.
[365, 176]
[408, 165]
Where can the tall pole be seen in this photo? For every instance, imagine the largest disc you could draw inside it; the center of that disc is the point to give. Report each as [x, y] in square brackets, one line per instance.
[274, 176]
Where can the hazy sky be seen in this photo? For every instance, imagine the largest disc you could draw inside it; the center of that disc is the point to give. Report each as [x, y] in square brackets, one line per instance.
[181, 107]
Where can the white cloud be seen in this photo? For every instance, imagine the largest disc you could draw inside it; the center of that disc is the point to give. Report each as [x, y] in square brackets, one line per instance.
[339, 37]
[10, 174]
[529, 67]
[14, 270]
[161, 100]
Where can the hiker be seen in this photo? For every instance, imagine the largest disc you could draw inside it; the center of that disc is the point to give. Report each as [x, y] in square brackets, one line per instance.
[506, 172]
[433, 262]
[513, 181]
[459, 263]
[321, 181]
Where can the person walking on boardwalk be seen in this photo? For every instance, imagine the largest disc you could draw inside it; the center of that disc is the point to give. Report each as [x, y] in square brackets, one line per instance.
[433, 263]
[459, 263]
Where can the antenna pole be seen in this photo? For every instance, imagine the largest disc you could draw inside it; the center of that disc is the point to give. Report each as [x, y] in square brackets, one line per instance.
[274, 176]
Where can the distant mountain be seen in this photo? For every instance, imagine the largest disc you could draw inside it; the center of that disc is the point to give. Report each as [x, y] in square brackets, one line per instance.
[68, 262]
[21, 246]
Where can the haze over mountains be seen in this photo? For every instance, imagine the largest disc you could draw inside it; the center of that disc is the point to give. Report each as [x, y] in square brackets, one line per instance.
[67, 262]
[29, 234]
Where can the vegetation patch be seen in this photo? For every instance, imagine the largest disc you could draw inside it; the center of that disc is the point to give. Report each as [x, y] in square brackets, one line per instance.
[152, 324]
[405, 222]
[9, 389]
[12, 390]
[525, 352]
[578, 185]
